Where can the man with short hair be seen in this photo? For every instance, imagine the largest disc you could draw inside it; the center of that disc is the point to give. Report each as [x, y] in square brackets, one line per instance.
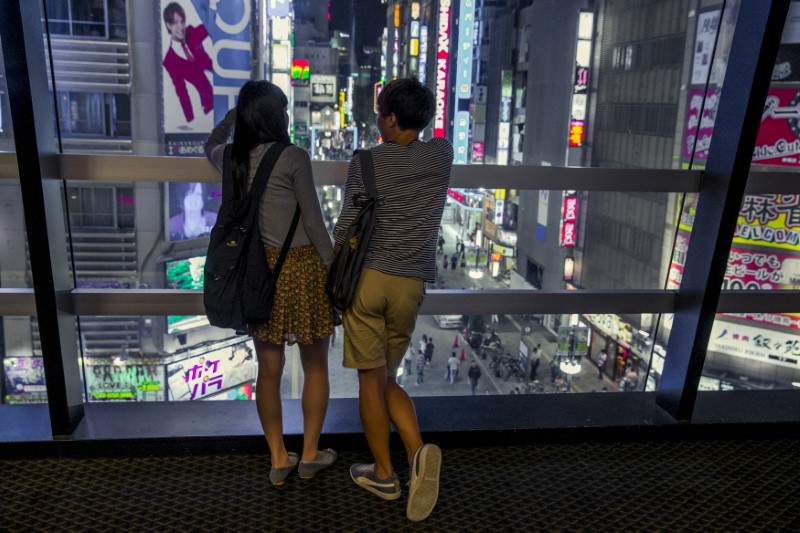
[411, 176]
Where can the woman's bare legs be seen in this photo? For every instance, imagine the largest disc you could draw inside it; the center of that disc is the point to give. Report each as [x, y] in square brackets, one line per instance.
[268, 398]
[316, 391]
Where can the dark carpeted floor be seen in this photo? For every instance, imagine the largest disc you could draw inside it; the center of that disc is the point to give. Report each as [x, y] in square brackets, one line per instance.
[744, 485]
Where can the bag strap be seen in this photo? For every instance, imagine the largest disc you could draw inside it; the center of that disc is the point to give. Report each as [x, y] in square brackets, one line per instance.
[257, 191]
[368, 172]
[264, 171]
[287, 243]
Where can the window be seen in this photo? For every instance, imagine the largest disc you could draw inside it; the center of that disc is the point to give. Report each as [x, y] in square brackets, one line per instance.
[87, 18]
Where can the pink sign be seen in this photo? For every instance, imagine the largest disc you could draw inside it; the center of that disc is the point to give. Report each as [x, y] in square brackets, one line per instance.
[699, 128]
[778, 140]
[568, 234]
[570, 211]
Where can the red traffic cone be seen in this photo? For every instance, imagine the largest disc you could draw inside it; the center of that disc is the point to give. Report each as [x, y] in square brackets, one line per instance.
[462, 354]
[455, 342]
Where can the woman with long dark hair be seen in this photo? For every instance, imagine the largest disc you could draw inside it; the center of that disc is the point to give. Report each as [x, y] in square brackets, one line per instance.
[301, 312]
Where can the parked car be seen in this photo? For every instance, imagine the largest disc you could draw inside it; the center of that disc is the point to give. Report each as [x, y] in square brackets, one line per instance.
[448, 321]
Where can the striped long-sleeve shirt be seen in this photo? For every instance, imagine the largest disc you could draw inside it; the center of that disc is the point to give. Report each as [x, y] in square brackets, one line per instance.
[412, 181]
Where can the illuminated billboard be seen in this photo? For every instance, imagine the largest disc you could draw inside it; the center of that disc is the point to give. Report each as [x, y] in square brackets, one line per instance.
[186, 274]
[464, 73]
[300, 69]
[223, 367]
[206, 56]
[192, 209]
[134, 380]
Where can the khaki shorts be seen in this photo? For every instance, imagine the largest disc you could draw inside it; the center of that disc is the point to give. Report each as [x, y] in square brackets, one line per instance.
[380, 320]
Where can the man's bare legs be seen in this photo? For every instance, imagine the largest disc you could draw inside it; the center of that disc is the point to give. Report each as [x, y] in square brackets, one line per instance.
[316, 391]
[404, 417]
[381, 400]
[268, 399]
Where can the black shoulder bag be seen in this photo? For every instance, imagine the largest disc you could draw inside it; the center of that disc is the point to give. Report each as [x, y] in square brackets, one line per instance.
[346, 268]
[239, 286]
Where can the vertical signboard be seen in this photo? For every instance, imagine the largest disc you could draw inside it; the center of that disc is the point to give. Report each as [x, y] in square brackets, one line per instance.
[206, 56]
[423, 54]
[504, 126]
[707, 28]
[461, 135]
[569, 219]
[442, 66]
[466, 17]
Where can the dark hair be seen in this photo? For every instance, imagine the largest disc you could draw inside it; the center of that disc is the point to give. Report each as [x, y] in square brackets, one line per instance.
[259, 120]
[170, 10]
[178, 192]
[412, 103]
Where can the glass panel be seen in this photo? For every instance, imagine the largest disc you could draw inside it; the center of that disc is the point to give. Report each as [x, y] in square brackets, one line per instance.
[21, 369]
[490, 239]
[760, 350]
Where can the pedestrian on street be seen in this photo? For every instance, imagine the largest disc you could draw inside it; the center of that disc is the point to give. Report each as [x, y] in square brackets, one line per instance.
[408, 360]
[423, 343]
[535, 359]
[453, 261]
[429, 351]
[474, 374]
[420, 367]
[453, 364]
[444, 262]
[632, 379]
[447, 367]
[440, 244]
[601, 363]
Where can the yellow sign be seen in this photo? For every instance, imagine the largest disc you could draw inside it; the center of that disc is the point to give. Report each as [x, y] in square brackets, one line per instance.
[771, 220]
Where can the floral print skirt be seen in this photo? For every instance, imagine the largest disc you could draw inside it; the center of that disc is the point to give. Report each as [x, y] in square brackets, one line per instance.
[301, 312]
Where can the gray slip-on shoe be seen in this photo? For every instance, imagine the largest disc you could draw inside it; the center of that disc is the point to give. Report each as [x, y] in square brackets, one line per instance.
[277, 476]
[325, 458]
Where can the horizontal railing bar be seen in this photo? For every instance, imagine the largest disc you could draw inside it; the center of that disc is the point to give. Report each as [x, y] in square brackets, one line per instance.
[132, 168]
[155, 302]
[759, 302]
[773, 182]
[17, 302]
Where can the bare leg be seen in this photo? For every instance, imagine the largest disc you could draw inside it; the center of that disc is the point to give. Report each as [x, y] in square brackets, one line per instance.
[268, 399]
[375, 417]
[404, 417]
[316, 391]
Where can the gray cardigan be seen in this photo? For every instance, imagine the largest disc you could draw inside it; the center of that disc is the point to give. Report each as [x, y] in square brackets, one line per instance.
[291, 182]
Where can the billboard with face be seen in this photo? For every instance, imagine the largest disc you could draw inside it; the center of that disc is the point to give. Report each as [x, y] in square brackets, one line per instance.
[206, 57]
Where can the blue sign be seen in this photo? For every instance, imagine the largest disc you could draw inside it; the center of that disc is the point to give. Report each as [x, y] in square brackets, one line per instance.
[466, 19]
[230, 26]
[461, 137]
